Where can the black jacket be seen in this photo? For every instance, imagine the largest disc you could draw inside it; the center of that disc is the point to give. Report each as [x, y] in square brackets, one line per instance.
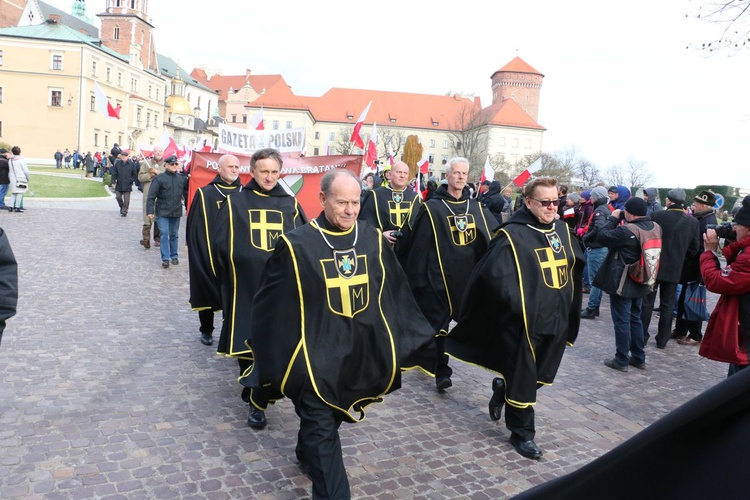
[123, 175]
[598, 220]
[8, 281]
[494, 201]
[628, 250]
[680, 239]
[691, 270]
[166, 193]
[4, 170]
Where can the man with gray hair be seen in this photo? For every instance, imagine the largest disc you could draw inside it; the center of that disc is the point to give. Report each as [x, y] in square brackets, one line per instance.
[450, 233]
[146, 173]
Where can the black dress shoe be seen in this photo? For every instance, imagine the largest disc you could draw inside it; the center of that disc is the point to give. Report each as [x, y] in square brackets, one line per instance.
[590, 313]
[206, 339]
[612, 363]
[257, 418]
[498, 398]
[528, 449]
[443, 383]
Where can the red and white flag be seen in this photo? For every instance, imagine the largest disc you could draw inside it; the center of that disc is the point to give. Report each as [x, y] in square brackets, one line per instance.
[103, 105]
[423, 168]
[488, 173]
[256, 122]
[526, 174]
[356, 139]
[168, 145]
[372, 149]
[391, 161]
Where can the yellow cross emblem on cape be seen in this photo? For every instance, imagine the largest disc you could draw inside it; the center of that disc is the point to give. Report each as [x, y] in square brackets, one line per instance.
[554, 270]
[347, 282]
[398, 210]
[463, 229]
[266, 226]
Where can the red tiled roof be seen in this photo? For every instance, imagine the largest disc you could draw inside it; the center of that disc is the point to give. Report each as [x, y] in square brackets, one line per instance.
[518, 65]
[510, 114]
[223, 83]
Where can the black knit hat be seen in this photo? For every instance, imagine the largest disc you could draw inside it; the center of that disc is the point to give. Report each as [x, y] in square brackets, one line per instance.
[743, 214]
[636, 206]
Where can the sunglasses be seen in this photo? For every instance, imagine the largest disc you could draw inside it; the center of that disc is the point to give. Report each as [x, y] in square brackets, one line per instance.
[546, 203]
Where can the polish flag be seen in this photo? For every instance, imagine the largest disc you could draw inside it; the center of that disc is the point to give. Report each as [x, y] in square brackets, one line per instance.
[168, 144]
[356, 139]
[103, 105]
[391, 161]
[526, 174]
[423, 168]
[372, 150]
[256, 122]
[488, 173]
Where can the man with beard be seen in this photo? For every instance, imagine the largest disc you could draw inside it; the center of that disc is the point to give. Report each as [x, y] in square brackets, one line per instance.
[204, 295]
[246, 231]
[520, 309]
[450, 234]
[333, 326]
[146, 173]
[390, 207]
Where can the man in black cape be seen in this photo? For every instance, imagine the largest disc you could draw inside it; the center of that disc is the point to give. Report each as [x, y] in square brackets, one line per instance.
[390, 208]
[522, 305]
[204, 293]
[333, 328]
[450, 234]
[248, 227]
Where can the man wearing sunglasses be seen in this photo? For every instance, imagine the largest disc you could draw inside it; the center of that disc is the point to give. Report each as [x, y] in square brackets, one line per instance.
[521, 307]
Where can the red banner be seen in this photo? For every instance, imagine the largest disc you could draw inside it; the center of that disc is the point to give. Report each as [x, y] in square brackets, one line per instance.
[300, 177]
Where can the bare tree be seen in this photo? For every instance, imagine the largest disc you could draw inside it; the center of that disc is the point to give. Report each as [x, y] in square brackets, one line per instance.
[731, 16]
[467, 135]
[637, 173]
[615, 176]
[394, 137]
[342, 145]
[588, 172]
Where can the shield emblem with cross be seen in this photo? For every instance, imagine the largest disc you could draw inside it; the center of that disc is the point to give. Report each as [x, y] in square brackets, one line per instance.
[463, 229]
[266, 227]
[347, 282]
[554, 267]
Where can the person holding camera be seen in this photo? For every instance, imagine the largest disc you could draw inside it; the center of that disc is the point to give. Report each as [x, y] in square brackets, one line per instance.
[390, 207]
[727, 336]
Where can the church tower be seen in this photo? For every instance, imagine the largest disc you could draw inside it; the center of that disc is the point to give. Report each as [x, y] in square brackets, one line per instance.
[517, 80]
[127, 30]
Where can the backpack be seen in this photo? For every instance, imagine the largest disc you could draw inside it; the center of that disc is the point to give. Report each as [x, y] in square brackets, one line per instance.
[644, 270]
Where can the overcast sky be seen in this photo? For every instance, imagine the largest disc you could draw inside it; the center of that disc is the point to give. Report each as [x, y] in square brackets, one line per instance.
[619, 82]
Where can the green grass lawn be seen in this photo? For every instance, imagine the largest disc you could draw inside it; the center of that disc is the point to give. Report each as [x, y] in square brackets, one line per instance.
[56, 186]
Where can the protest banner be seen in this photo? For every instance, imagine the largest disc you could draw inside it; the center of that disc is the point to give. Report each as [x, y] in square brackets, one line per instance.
[300, 177]
[245, 141]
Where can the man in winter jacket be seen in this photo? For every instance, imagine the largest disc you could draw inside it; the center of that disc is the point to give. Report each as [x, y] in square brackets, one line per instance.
[681, 236]
[165, 205]
[494, 201]
[123, 176]
[651, 195]
[625, 294]
[727, 336]
[595, 251]
[688, 332]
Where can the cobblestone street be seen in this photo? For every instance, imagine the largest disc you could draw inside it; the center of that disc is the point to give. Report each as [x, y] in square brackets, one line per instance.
[106, 391]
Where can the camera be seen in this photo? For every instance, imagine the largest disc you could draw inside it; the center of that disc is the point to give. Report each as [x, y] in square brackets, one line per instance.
[397, 234]
[377, 162]
[724, 230]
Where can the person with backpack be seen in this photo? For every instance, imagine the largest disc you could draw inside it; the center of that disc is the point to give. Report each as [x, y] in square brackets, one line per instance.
[681, 234]
[627, 275]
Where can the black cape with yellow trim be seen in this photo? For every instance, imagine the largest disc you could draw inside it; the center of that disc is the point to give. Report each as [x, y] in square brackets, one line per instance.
[248, 227]
[389, 210]
[522, 305]
[343, 325]
[441, 255]
[204, 289]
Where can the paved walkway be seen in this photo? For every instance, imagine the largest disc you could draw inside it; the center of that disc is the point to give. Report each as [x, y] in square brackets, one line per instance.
[106, 392]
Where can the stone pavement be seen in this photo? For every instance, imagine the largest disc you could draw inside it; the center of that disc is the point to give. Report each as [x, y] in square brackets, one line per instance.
[106, 392]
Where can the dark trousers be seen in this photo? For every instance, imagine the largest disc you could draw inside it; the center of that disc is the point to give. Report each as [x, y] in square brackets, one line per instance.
[123, 199]
[442, 370]
[206, 317]
[520, 421]
[684, 327]
[666, 310]
[629, 341]
[318, 446]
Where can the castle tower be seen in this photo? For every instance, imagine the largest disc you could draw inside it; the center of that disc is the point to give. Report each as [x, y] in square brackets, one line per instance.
[127, 30]
[79, 10]
[517, 80]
